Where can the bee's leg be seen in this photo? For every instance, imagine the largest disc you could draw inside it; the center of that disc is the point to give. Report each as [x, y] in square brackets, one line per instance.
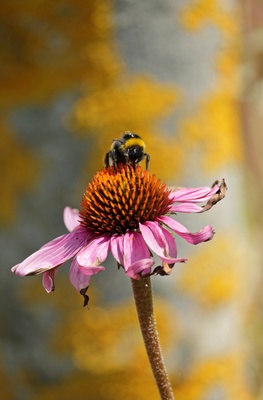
[147, 160]
[114, 158]
[107, 159]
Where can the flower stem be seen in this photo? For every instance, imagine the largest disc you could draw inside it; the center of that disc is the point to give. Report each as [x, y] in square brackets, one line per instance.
[142, 290]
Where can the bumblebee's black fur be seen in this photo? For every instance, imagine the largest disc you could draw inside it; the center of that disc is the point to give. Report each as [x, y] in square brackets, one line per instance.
[130, 149]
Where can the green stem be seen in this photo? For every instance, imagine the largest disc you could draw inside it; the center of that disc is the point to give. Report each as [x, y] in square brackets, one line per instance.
[142, 290]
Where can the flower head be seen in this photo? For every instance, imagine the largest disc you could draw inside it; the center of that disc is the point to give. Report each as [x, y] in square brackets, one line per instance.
[126, 211]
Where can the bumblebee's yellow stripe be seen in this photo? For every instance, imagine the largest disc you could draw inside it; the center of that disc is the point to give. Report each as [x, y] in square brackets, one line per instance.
[133, 142]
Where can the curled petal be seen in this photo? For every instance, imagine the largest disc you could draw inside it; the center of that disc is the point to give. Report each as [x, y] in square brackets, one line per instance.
[79, 280]
[193, 195]
[52, 254]
[203, 235]
[140, 268]
[48, 279]
[219, 195]
[164, 269]
[160, 241]
[71, 218]
[213, 196]
[94, 253]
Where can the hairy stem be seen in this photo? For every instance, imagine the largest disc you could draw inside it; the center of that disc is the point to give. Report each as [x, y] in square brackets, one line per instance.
[142, 290]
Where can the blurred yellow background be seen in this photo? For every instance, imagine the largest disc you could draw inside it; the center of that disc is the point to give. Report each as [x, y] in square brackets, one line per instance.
[187, 77]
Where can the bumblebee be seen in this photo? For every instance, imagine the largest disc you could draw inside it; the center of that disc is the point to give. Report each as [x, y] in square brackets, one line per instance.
[130, 149]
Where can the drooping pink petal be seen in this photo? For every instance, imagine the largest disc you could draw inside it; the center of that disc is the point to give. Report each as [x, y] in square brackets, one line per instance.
[132, 254]
[52, 254]
[94, 253]
[136, 254]
[76, 277]
[140, 268]
[193, 195]
[117, 248]
[49, 278]
[160, 241]
[71, 218]
[203, 235]
[79, 280]
[135, 249]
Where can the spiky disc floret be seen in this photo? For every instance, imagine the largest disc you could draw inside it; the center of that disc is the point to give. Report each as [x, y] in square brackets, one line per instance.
[116, 201]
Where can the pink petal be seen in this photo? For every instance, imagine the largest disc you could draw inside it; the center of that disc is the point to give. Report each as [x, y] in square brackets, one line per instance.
[76, 277]
[140, 268]
[79, 280]
[160, 241]
[135, 249]
[132, 254]
[136, 254]
[94, 253]
[53, 254]
[203, 235]
[48, 279]
[91, 269]
[117, 248]
[193, 194]
[71, 218]
[186, 208]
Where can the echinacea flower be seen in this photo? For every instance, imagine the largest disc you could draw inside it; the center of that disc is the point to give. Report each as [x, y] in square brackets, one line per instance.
[126, 211]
